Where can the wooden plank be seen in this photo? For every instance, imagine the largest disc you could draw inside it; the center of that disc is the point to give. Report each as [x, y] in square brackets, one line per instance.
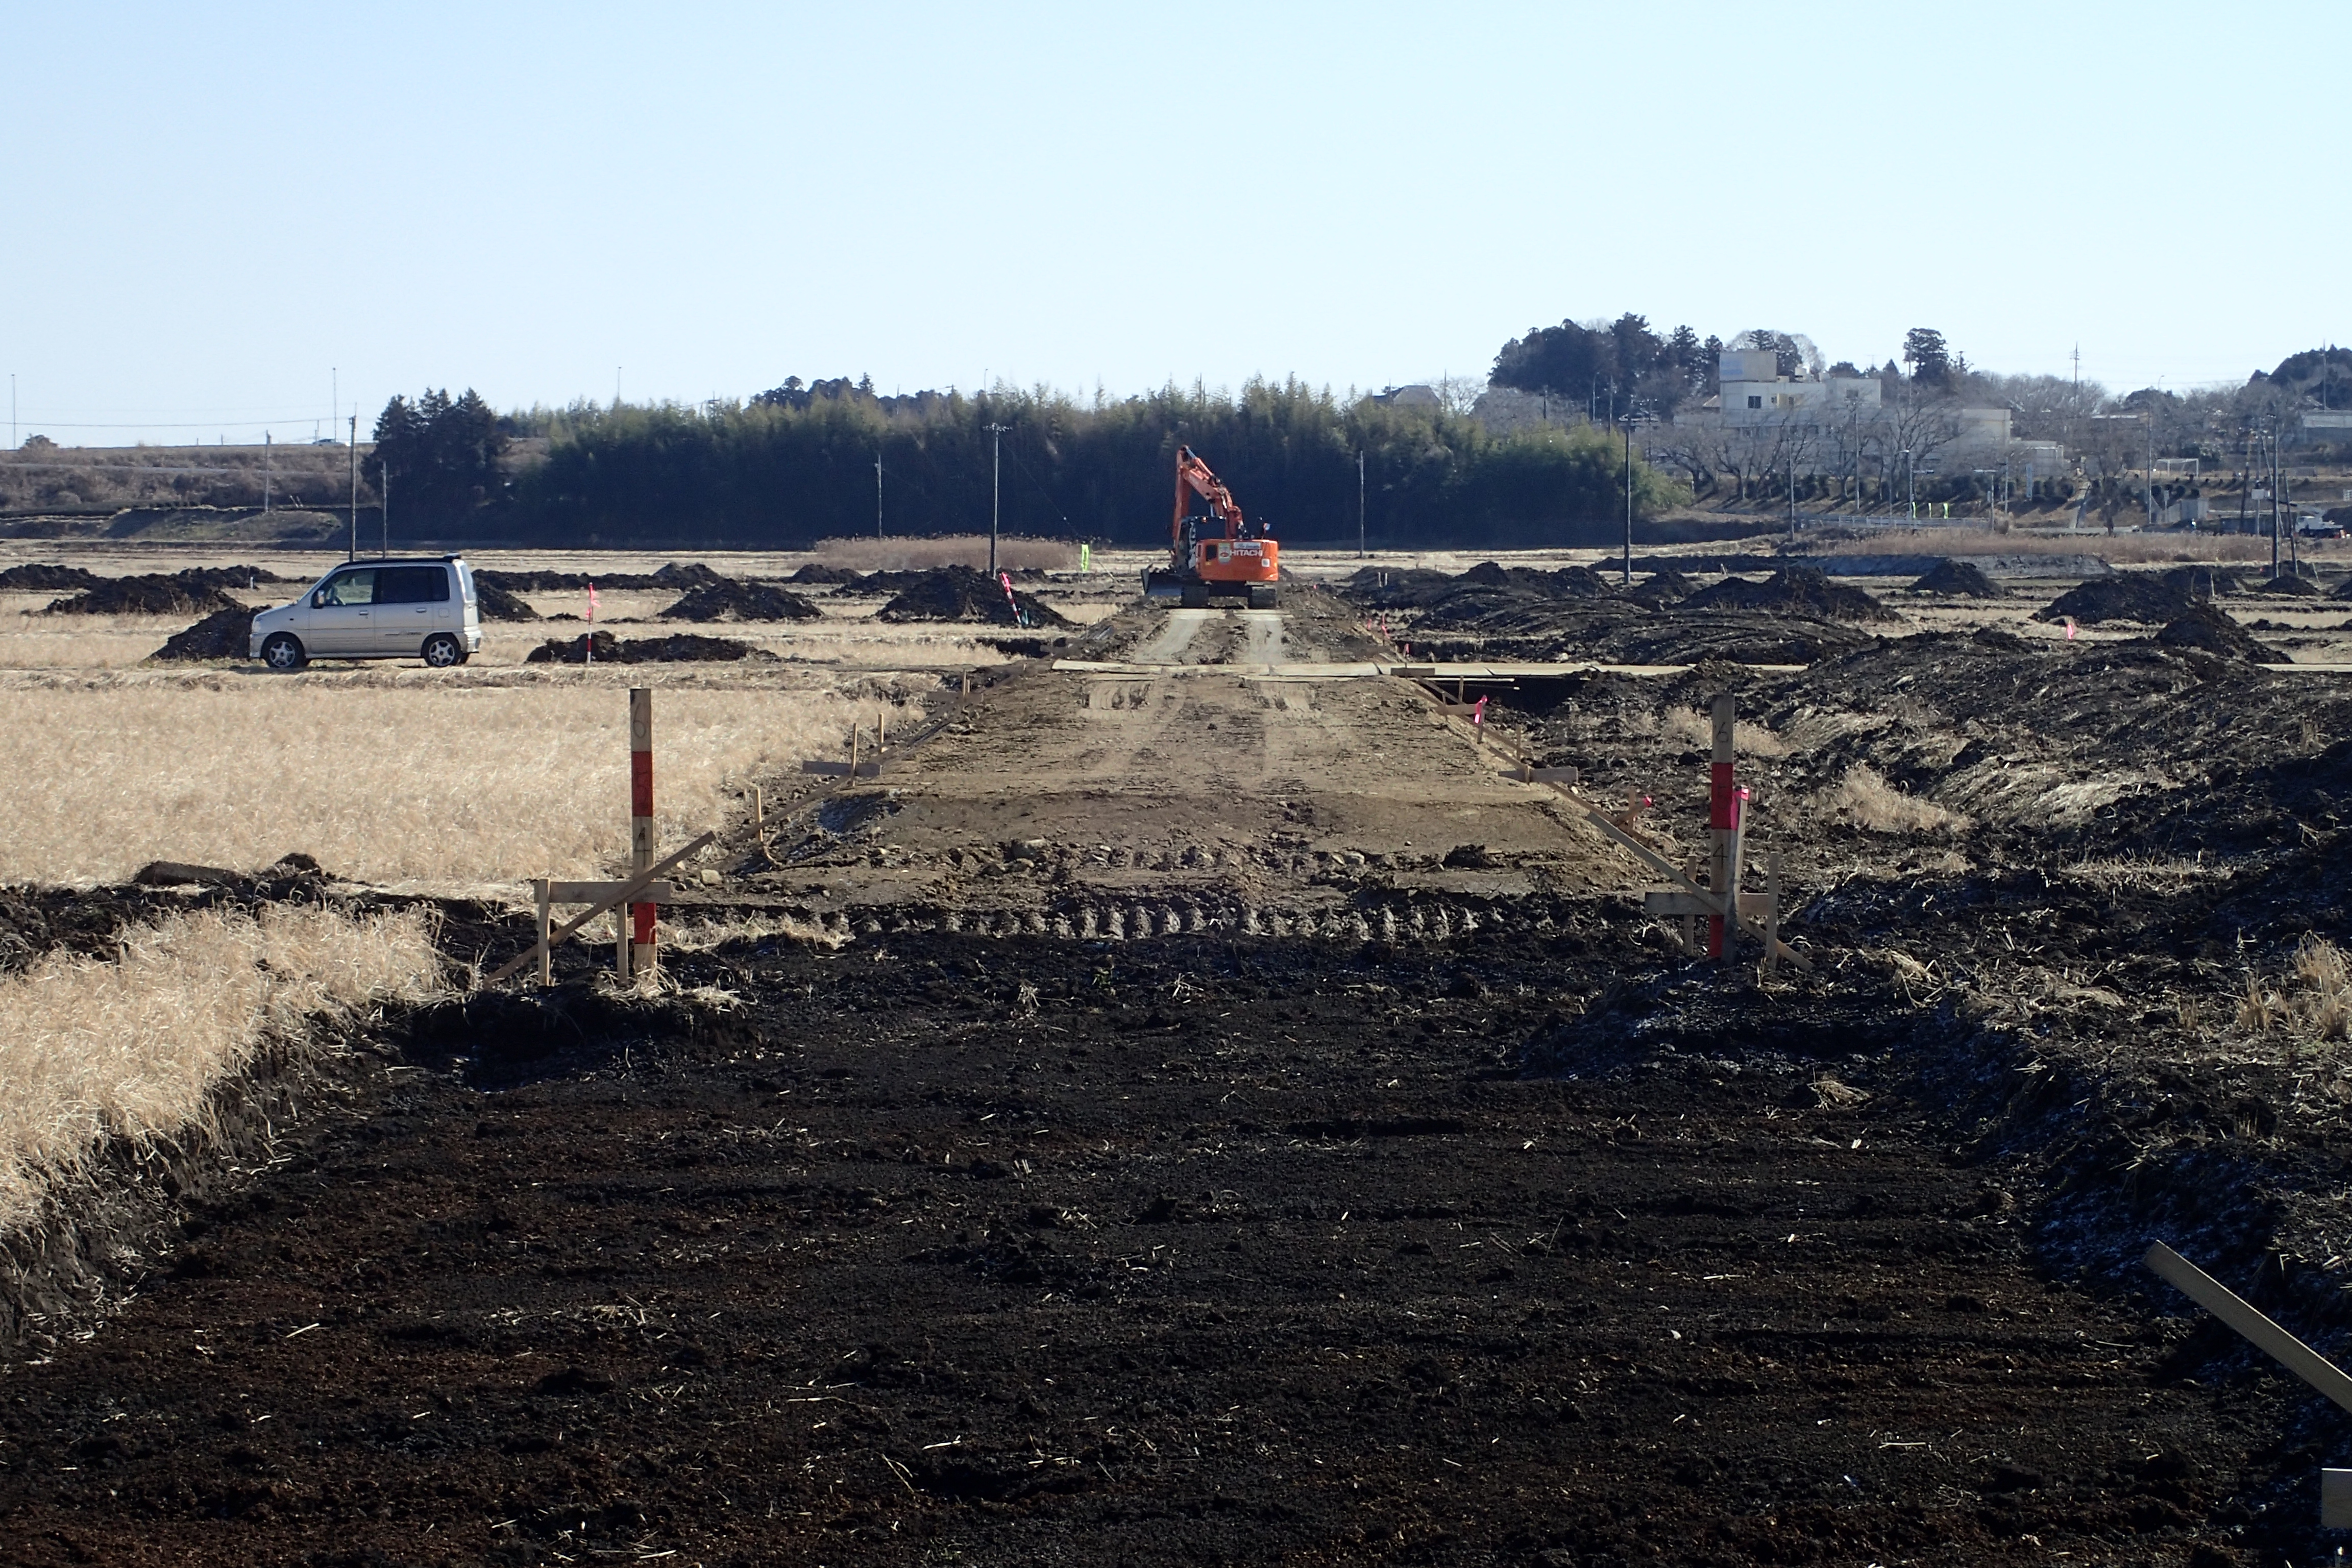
[865, 770]
[594, 892]
[1554, 776]
[629, 889]
[1673, 901]
[2240, 1314]
[539, 897]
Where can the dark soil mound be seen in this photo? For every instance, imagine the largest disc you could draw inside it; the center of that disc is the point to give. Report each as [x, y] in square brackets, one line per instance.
[1662, 588]
[678, 647]
[37, 578]
[223, 633]
[1568, 583]
[2213, 631]
[1792, 590]
[230, 576]
[2298, 587]
[1959, 579]
[960, 593]
[727, 600]
[1387, 588]
[693, 574]
[2126, 597]
[146, 596]
[2204, 582]
[497, 604]
[817, 573]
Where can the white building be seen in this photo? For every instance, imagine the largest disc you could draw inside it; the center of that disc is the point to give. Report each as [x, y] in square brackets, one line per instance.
[1755, 392]
[1828, 415]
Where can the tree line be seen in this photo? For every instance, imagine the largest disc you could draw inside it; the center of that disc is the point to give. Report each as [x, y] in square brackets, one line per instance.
[798, 463]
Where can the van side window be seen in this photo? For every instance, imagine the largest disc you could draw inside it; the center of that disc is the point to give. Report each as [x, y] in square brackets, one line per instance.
[350, 588]
[411, 585]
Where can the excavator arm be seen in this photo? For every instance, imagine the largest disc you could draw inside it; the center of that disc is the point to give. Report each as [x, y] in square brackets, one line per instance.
[1193, 477]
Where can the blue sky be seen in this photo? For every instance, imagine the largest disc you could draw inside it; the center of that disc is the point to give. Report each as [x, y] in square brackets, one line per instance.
[208, 209]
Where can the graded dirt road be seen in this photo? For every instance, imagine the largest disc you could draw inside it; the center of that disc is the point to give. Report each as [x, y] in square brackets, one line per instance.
[1399, 1199]
[1195, 771]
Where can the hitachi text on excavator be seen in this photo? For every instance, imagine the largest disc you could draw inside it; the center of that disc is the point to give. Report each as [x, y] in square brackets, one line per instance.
[1215, 553]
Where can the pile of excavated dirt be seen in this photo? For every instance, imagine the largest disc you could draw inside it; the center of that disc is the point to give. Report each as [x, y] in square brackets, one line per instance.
[234, 577]
[678, 647]
[817, 574]
[1792, 590]
[497, 604]
[2211, 630]
[2293, 587]
[39, 578]
[2204, 582]
[182, 594]
[1566, 583]
[2142, 597]
[1398, 588]
[729, 600]
[958, 594]
[1957, 579]
[692, 574]
[1662, 588]
[223, 633]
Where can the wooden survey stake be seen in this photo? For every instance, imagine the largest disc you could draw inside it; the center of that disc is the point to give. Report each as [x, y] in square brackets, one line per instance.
[636, 947]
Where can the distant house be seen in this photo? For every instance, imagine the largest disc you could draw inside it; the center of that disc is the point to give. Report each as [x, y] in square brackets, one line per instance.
[1414, 396]
[1757, 399]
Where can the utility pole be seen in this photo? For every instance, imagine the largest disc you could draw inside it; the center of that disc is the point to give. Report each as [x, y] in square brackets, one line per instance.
[354, 554]
[1910, 485]
[1359, 503]
[995, 493]
[2274, 503]
[2246, 480]
[2147, 475]
[12, 411]
[383, 488]
[1628, 494]
[878, 492]
[265, 454]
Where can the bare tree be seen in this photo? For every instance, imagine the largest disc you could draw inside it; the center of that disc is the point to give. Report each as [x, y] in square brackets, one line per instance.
[1920, 421]
[1459, 394]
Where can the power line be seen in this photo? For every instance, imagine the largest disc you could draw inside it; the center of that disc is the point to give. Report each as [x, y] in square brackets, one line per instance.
[170, 424]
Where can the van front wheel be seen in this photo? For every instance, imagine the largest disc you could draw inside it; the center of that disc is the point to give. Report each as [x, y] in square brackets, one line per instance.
[442, 651]
[284, 651]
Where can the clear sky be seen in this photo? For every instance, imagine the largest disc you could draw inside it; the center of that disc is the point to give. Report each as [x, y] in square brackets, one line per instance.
[208, 209]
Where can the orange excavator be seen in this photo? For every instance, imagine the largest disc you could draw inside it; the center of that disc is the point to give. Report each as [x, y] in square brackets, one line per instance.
[1216, 554]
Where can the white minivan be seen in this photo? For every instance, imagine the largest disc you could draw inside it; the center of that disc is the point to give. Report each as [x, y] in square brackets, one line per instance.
[377, 609]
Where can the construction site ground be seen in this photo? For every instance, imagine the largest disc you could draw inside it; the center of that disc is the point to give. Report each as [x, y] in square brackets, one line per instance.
[1220, 1114]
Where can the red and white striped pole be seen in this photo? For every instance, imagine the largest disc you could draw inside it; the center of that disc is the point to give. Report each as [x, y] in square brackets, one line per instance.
[1722, 818]
[641, 820]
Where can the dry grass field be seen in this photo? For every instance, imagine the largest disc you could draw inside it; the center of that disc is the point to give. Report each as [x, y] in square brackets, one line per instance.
[94, 1051]
[399, 778]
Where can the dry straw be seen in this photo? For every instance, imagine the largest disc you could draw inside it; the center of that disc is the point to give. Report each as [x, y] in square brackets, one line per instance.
[1873, 803]
[131, 1049]
[403, 782]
